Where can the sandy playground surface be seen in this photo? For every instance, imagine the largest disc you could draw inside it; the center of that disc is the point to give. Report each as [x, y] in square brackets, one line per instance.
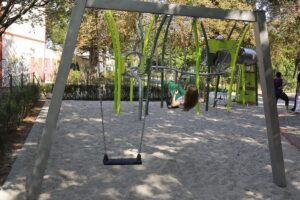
[214, 155]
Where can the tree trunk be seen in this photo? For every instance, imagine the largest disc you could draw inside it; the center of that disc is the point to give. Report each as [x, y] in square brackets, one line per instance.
[93, 59]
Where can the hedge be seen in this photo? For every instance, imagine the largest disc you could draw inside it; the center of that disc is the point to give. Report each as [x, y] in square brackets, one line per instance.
[91, 92]
[14, 106]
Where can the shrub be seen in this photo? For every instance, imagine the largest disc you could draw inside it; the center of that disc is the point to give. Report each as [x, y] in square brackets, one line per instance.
[46, 88]
[74, 77]
[91, 92]
[14, 107]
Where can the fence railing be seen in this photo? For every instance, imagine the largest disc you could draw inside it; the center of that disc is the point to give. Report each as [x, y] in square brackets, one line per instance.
[92, 92]
[9, 82]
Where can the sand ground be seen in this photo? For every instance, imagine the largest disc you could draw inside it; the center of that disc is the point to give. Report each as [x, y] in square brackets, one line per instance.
[214, 155]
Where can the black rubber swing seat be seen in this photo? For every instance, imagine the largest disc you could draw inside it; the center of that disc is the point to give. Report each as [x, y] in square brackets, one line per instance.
[122, 161]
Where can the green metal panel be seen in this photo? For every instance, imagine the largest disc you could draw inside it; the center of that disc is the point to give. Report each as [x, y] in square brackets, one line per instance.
[250, 85]
[229, 45]
[216, 45]
[250, 96]
[250, 79]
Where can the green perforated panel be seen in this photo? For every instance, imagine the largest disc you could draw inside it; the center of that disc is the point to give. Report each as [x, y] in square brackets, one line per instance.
[250, 96]
[216, 45]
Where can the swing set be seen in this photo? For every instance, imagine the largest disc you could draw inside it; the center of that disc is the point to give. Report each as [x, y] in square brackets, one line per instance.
[263, 57]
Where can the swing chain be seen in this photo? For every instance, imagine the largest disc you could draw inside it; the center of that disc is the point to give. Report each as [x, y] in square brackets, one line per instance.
[131, 70]
[142, 135]
[99, 89]
[102, 121]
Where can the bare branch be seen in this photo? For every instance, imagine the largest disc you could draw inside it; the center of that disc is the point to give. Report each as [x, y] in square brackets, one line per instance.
[14, 10]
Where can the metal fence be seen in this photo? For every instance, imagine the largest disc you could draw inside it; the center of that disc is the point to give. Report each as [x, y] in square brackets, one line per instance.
[9, 82]
[92, 92]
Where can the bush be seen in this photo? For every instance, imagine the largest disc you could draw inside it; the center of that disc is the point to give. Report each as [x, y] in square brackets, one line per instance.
[91, 92]
[46, 88]
[74, 77]
[14, 107]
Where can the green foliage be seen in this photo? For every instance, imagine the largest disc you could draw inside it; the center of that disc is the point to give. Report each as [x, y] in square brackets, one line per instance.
[286, 67]
[110, 75]
[13, 11]
[58, 32]
[282, 18]
[46, 88]
[14, 107]
[74, 77]
[58, 13]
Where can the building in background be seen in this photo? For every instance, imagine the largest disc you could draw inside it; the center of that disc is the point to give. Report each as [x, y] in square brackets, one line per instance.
[23, 51]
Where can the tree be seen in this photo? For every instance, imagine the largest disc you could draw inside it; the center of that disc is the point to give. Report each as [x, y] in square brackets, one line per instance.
[13, 11]
[58, 15]
[282, 18]
[283, 25]
[87, 38]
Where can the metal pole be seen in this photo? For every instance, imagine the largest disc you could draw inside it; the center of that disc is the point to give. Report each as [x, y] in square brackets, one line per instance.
[140, 97]
[256, 84]
[176, 77]
[216, 90]
[172, 9]
[36, 178]
[10, 83]
[269, 100]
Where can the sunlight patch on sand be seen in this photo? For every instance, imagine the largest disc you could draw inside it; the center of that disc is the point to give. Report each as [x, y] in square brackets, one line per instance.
[168, 148]
[71, 179]
[157, 186]
[130, 152]
[255, 195]
[112, 193]
[251, 141]
[296, 184]
[161, 155]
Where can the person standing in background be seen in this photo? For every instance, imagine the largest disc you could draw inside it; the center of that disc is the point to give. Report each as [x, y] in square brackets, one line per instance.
[279, 83]
[218, 36]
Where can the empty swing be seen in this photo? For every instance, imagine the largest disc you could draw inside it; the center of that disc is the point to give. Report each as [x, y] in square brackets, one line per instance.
[119, 161]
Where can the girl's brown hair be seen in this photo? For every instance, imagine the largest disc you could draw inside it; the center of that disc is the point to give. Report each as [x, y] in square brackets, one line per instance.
[191, 97]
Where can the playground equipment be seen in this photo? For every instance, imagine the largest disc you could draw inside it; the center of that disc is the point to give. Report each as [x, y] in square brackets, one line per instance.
[264, 63]
[228, 53]
[246, 92]
[246, 57]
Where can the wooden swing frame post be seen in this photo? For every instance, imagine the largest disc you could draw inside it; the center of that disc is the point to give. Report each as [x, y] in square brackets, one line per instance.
[264, 63]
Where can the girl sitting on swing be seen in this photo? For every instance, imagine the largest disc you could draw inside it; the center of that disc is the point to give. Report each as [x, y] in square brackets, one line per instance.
[188, 99]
